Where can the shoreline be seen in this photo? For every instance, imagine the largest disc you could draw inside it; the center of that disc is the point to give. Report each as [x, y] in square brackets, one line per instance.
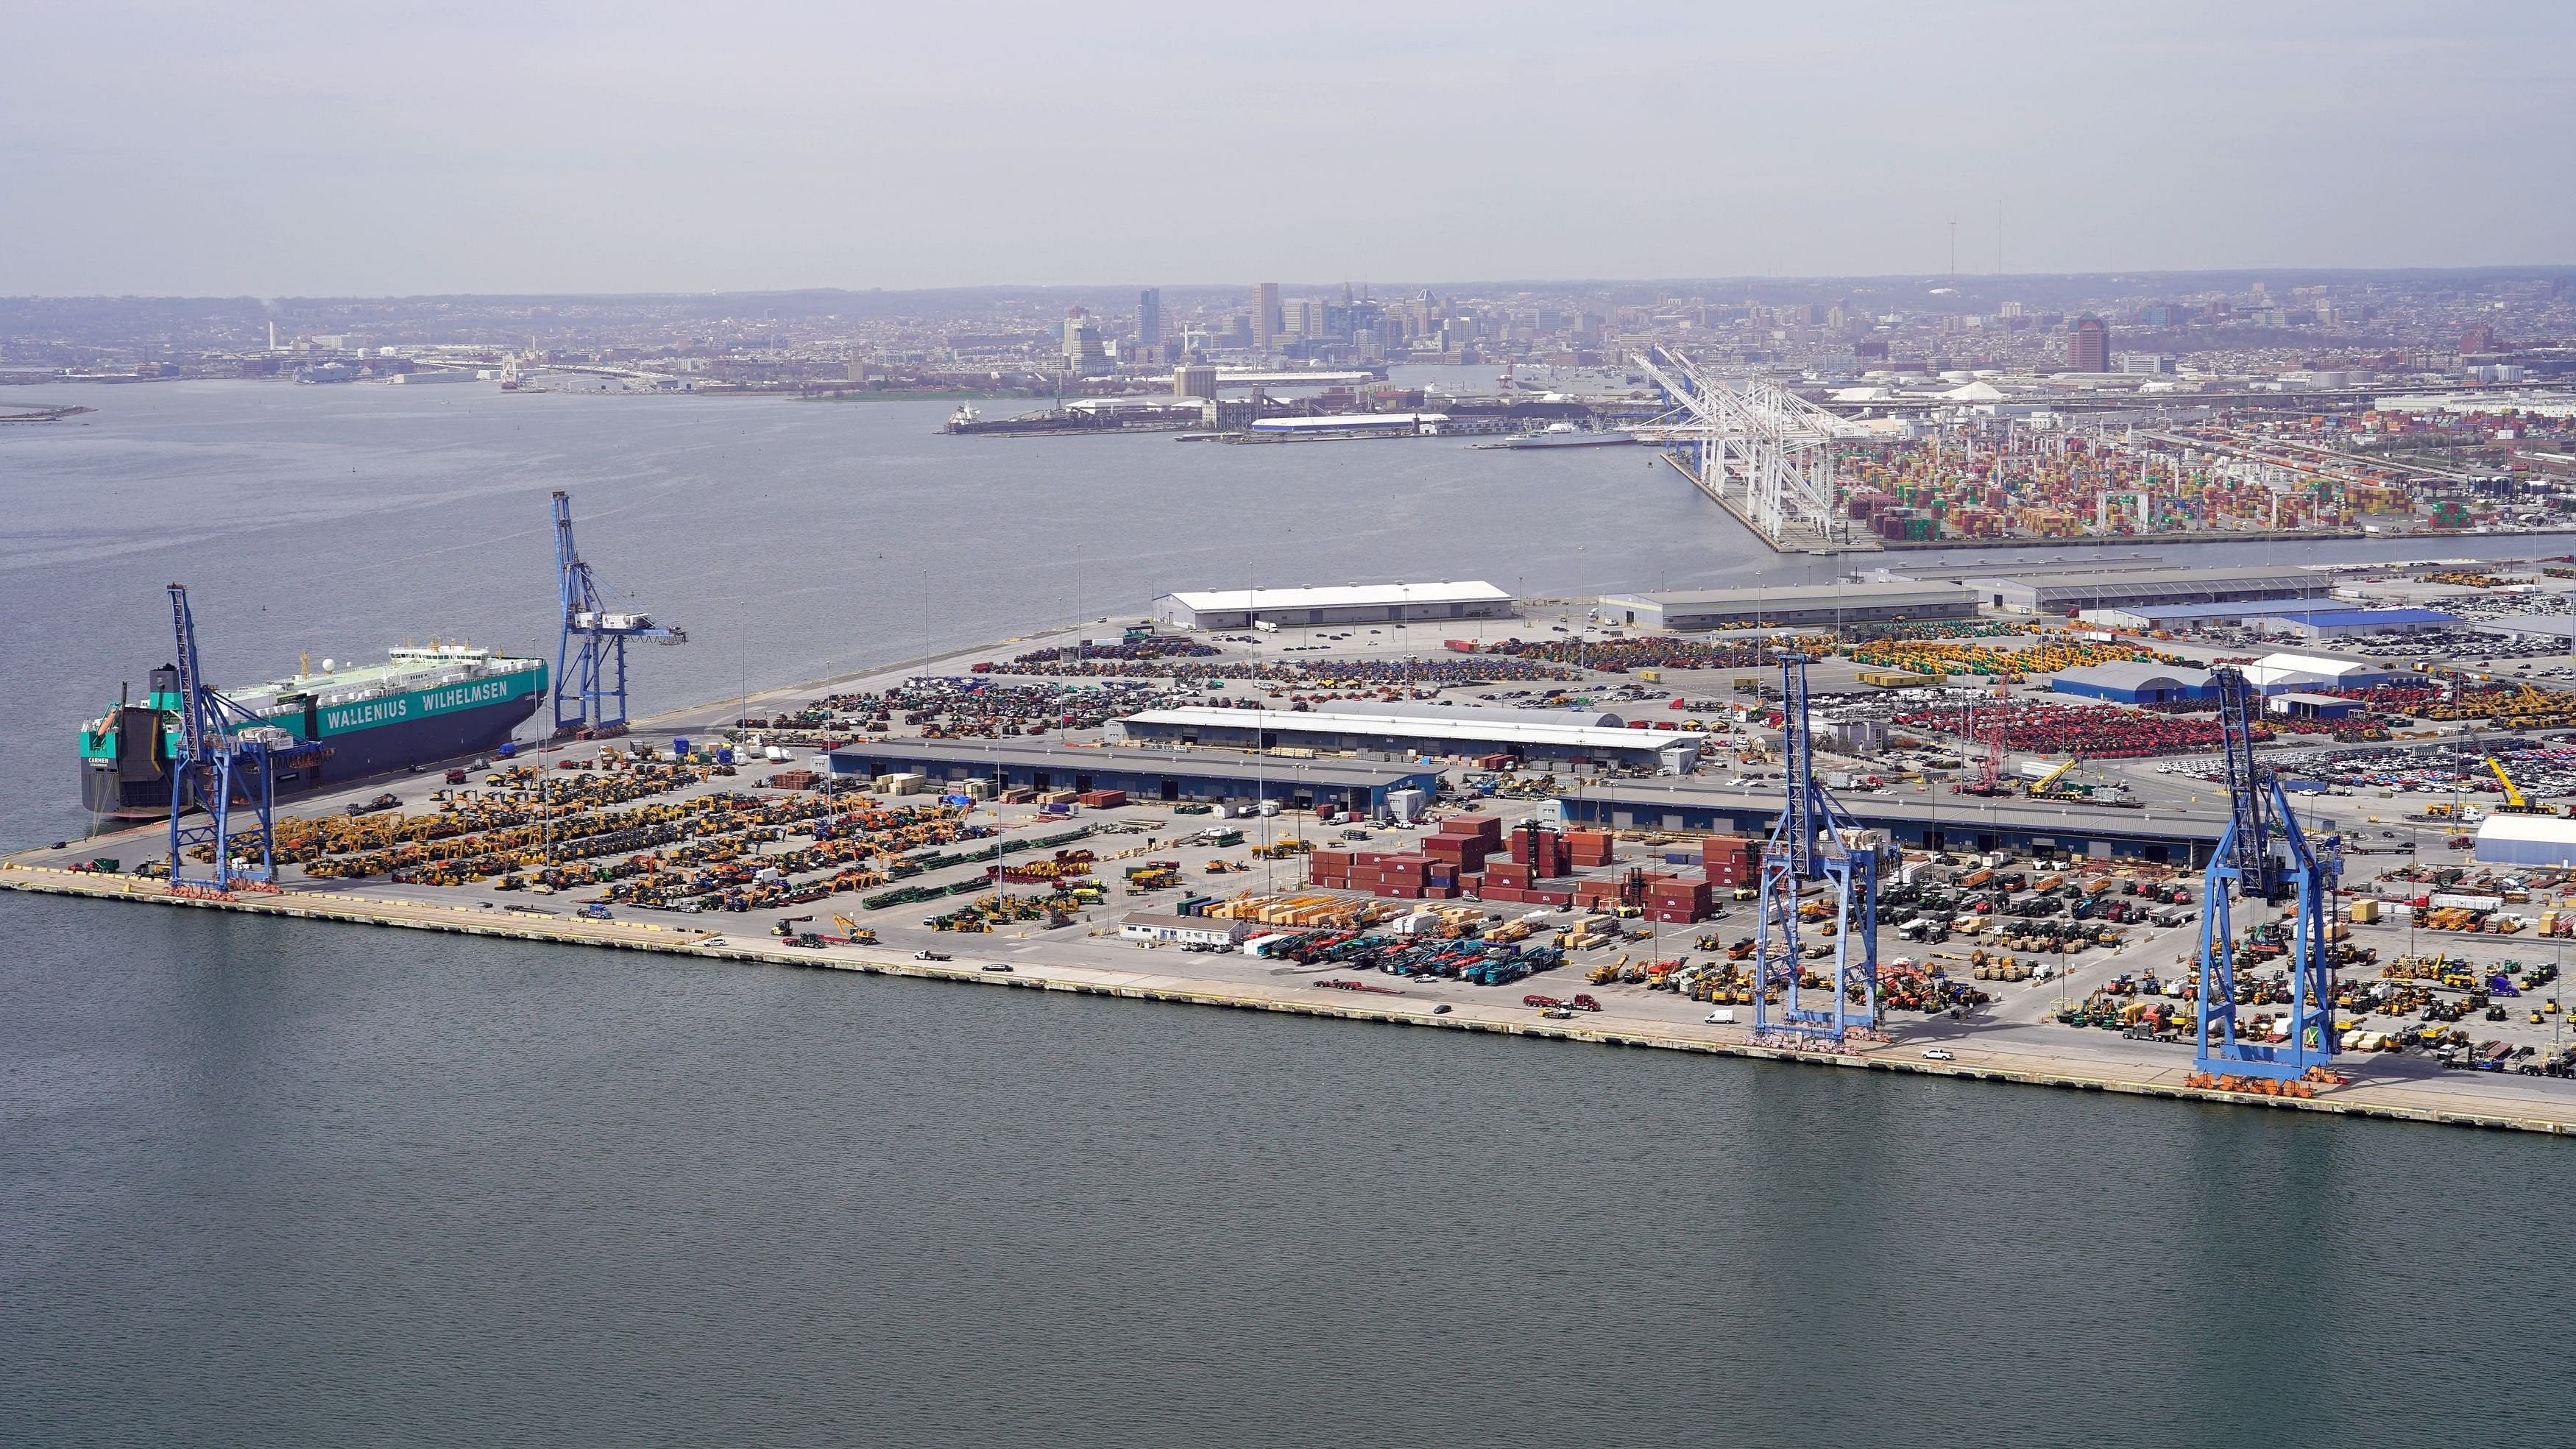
[2382, 1100]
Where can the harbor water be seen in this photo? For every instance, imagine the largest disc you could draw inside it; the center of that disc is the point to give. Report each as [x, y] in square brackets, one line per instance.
[276, 1183]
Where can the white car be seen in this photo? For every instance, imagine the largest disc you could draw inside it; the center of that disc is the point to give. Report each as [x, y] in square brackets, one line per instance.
[1938, 1054]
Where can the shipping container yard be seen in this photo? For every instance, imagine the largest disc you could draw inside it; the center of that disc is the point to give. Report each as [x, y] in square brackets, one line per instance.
[1563, 823]
[1999, 478]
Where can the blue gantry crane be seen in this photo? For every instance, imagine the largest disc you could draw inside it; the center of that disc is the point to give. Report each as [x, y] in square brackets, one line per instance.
[2262, 853]
[1815, 839]
[227, 760]
[590, 675]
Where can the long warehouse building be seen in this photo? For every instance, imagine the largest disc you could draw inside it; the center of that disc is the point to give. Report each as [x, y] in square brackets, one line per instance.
[2180, 837]
[1530, 736]
[1343, 604]
[1803, 606]
[2055, 592]
[1168, 775]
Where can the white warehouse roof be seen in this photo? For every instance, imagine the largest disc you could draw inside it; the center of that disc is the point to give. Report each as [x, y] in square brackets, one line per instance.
[2279, 669]
[1442, 709]
[2527, 840]
[1345, 596]
[1421, 726]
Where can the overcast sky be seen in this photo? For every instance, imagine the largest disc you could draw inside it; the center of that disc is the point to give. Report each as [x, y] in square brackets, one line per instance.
[455, 146]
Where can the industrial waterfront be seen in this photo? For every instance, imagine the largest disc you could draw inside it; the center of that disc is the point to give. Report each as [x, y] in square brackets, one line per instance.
[835, 546]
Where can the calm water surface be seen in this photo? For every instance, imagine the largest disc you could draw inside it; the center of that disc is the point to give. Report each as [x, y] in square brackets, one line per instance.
[269, 1184]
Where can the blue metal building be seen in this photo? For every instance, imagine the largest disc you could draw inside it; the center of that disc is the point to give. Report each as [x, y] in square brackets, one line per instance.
[2126, 682]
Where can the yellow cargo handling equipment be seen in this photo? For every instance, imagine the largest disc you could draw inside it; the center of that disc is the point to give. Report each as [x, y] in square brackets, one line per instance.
[2514, 803]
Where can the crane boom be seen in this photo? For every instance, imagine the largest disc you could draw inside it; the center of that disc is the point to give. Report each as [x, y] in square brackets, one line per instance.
[2514, 801]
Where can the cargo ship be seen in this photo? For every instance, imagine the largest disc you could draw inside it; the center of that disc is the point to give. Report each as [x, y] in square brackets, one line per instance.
[421, 705]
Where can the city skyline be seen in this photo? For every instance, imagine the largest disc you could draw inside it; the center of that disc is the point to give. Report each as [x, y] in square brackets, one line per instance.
[403, 154]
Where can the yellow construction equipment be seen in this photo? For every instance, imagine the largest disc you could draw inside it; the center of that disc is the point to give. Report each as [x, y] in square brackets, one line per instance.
[2514, 803]
[2044, 783]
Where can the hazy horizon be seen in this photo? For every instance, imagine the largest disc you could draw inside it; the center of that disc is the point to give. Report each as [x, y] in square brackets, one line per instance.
[478, 149]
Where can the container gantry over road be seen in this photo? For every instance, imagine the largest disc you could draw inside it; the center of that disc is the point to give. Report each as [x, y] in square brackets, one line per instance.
[1815, 839]
[2264, 854]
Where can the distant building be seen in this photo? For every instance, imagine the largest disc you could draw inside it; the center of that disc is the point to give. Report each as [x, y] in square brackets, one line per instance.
[1265, 315]
[1199, 382]
[1149, 320]
[1083, 353]
[2145, 364]
[2088, 346]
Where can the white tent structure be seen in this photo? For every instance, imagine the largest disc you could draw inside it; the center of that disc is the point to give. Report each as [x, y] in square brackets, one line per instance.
[2527, 840]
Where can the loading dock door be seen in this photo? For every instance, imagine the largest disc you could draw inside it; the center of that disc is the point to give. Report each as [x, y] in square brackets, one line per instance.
[1171, 789]
[1270, 739]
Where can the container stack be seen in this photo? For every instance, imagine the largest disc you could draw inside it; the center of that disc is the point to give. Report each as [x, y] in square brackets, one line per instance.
[1541, 851]
[1729, 860]
[1677, 899]
[1464, 841]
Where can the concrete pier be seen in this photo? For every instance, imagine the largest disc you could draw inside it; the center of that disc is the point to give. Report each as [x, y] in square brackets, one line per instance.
[2497, 1102]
